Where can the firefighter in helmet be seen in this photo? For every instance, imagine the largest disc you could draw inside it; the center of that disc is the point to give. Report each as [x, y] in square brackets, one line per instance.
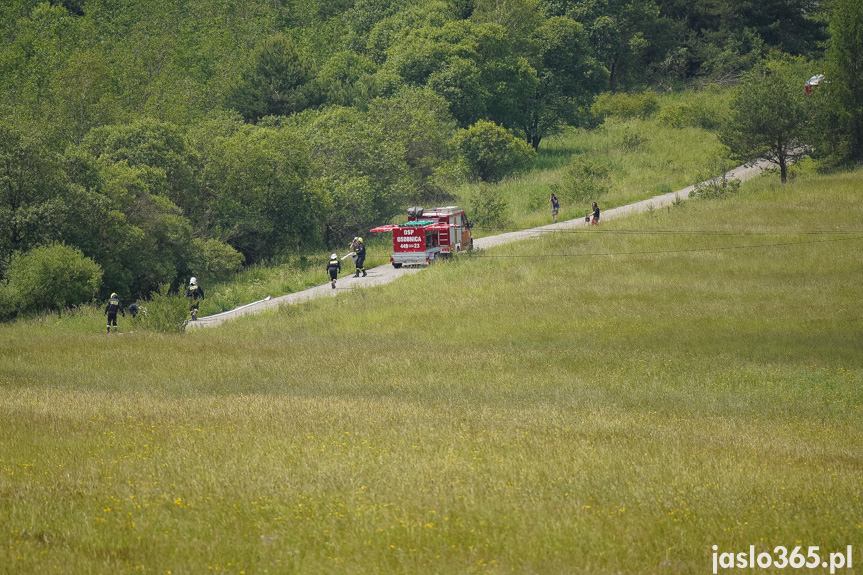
[195, 292]
[360, 249]
[111, 309]
[334, 266]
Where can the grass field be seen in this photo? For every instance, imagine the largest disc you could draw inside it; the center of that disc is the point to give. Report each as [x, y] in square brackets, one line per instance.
[615, 400]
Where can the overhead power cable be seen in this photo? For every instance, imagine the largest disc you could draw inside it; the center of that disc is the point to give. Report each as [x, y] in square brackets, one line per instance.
[676, 232]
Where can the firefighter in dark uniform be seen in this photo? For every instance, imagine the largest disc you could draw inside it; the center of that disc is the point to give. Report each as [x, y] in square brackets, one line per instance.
[334, 266]
[360, 250]
[195, 292]
[111, 309]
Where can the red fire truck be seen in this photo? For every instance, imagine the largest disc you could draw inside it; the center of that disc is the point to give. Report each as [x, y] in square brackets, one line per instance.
[429, 235]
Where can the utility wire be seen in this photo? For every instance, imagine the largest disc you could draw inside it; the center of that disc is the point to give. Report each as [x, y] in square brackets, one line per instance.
[676, 232]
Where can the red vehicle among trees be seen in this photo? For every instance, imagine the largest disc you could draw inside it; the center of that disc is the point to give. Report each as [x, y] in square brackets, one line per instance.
[429, 235]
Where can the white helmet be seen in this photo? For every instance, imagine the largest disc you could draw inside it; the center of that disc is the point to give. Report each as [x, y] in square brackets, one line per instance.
[193, 281]
[333, 256]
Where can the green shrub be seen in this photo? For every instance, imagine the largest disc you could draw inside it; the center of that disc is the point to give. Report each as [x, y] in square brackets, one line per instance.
[679, 116]
[625, 106]
[165, 312]
[713, 183]
[214, 259]
[51, 277]
[583, 181]
[631, 141]
[491, 152]
[707, 109]
[488, 207]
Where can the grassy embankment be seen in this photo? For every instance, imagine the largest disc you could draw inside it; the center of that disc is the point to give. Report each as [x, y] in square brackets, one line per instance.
[644, 158]
[603, 401]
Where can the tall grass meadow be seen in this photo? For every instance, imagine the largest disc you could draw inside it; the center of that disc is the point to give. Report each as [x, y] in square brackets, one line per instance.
[609, 400]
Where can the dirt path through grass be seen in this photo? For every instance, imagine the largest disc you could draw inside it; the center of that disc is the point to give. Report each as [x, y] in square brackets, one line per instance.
[387, 273]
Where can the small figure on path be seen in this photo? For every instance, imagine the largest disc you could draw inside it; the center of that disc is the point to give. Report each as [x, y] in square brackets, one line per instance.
[555, 206]
[595, 220]
[334, 267]
[360, 249]
[111, 309]
[195, 292]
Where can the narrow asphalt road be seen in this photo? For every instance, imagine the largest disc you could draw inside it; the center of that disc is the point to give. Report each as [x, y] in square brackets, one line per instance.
[387, 273]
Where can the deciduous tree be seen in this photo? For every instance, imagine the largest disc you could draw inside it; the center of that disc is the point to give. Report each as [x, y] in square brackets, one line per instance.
[492, 152]
[262, 196]
[568, 78]
[155, 144]
[30, 177]
[629, 37]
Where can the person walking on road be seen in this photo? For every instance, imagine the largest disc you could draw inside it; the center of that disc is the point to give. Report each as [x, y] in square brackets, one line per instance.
[334, 267]
[195, 292]
[360, 249]
[111, 309]
[555, 206]
[595, 220]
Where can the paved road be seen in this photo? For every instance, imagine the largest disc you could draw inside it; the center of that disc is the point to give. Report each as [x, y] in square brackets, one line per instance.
[387, 273]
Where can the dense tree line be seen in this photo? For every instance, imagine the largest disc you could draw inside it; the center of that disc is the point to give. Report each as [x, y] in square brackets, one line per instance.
[163, 139]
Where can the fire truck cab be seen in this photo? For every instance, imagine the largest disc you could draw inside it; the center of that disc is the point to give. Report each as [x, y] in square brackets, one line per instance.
[429, 235]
